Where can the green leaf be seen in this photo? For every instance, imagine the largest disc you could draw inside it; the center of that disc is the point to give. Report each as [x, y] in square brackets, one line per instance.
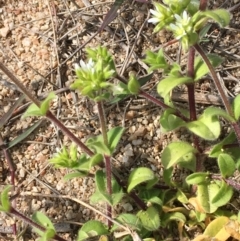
[174, 216]
[201, 68]
[97, 198]
[202, 33]
[73, 152]
[197, 178]
[177, 152]
[101, 186]
[48, 235]
[166, 85]
[144, 79]
[133, 84]
[167, 176]
[150, 218]
[215, 226]
[98, 146]
[114, 136]
[236, 107]
[101, 193]
[208, 126]
[5, 202]
[45, 222]
[189, 163]
[223, 196]
[205, 195]
[217, 149]
[120, 89]
[72, 175]
[25, 134]
[63, 160]
[129, 220]
[175, 71]
[221, 16]
[138, 176]
[226, 165]
[181, 197]
[193, 7]
[151, 183]
[32, 110]
[150, 196]
[214, 111]
[156, 60]
[169, 121]
[91, 229]
[95, 160]
[45, 104]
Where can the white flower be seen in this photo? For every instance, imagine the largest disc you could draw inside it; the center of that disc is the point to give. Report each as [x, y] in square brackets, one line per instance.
[182, 20]
[178, 30]
[160, 14]
[89, 66]
[182, 25]
[157, 16]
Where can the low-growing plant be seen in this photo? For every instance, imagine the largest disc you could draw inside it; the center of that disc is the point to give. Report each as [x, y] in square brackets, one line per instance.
[200, 200]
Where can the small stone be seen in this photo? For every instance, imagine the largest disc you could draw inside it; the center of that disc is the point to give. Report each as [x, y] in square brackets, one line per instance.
[35, 189]
[153, 167]
[128, 151]
[26, 42]
[4, 31]
[128, 207]
[70, 214]
[137, 142]
[22, 173]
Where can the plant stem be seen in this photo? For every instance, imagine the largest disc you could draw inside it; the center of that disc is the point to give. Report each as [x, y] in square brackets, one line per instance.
[109, 187]
[203, 5]
[19, 84]
[191, 101]
[32, 223]
[215, 79]
[230, 182]
[155, 100]
[220, 90]
[66, 131]
[102, 119]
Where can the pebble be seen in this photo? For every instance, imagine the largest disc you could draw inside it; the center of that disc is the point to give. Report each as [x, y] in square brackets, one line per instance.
[128, 207]
[22, 173]
[4, 31]
[137, 142]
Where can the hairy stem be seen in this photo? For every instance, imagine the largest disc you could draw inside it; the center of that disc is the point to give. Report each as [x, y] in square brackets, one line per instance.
[215, 79]
[155, 100]
[203, 5]
[102, 120]
[220, 90]
[107, 158]
[19, 84]
[191, 101]
[66, 131]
